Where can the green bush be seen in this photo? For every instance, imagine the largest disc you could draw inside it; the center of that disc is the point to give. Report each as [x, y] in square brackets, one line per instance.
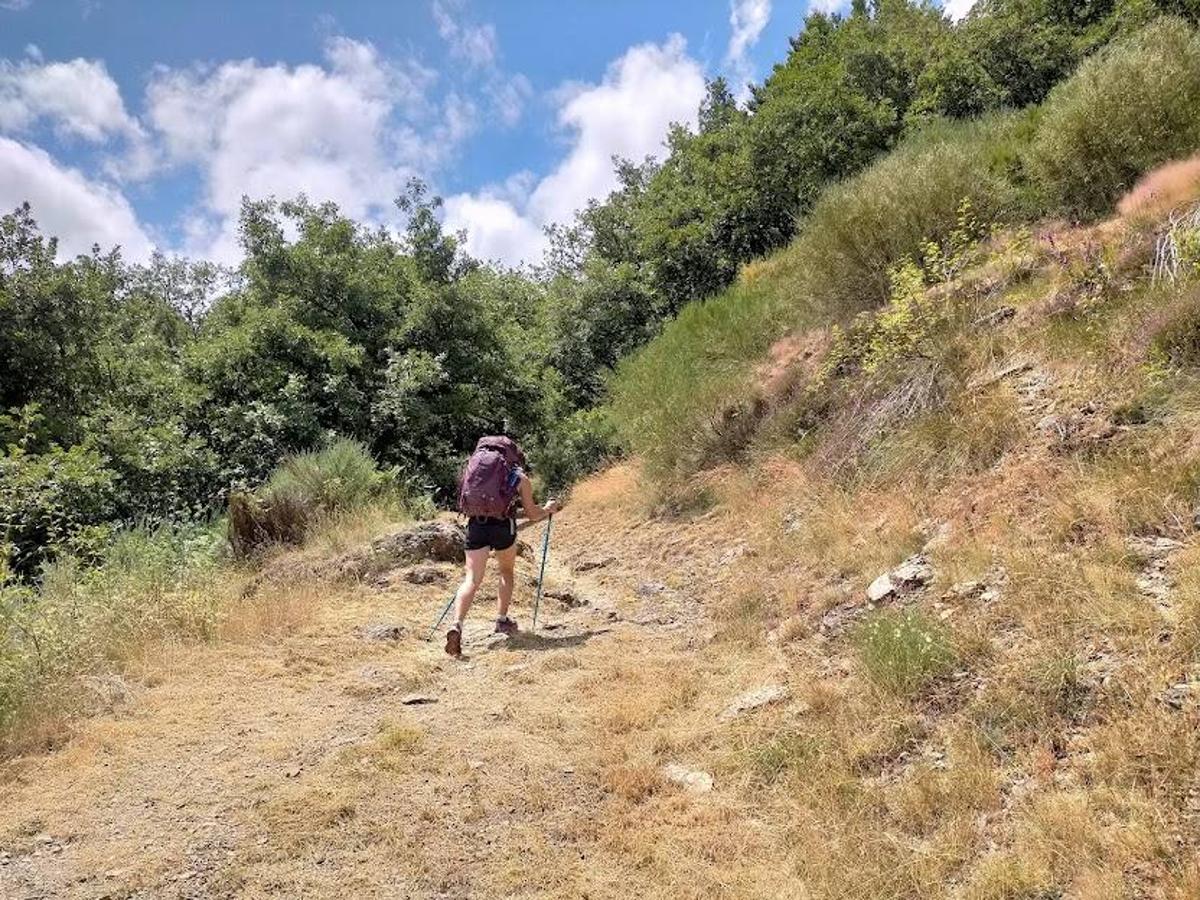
[83, 619]
[1130, 107]
[303, 490]
[59, 501]
[1176, 341]
[576, 446]
[862, 228]
[684, 397]
[904, 650]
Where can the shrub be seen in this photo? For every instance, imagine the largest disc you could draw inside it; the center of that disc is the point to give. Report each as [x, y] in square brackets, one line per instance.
[303, 490]
[80, 619]
[1130, 107]
[1176, 342]
[576, 446]
[683, 400]
[862, 228]
[905, 650]
[60, 501]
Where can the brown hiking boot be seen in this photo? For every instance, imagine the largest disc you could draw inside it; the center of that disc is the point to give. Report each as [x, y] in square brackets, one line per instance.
[506, 625]
[454, 641]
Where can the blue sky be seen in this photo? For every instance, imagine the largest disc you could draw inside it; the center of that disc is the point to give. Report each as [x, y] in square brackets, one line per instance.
[143, 123]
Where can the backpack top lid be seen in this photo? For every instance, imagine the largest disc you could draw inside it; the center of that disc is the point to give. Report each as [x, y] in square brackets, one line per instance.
[506, 445]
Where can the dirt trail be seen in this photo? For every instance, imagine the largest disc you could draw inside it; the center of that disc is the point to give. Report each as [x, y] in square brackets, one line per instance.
[291, 765]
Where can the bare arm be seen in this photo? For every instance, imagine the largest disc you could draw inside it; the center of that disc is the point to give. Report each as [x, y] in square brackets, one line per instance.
[533, 512]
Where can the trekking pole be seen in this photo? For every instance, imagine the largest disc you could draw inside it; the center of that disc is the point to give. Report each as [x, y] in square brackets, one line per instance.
[437, 624]
[542, 574]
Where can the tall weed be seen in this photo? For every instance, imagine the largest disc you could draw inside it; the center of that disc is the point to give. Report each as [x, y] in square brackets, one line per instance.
[82, 619]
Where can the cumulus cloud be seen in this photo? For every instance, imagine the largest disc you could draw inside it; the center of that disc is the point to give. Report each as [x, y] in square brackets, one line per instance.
[747, 19]
[79, 98]
[342, 131]
[495, 230]
[627, 114]
[957, 9]
[65, 203]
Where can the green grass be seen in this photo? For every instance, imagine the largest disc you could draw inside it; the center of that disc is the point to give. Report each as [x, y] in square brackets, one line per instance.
[663, 393]
[903, 651]
[80, 620]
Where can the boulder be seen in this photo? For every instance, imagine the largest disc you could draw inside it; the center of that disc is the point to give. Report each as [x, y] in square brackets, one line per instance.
[690, 779]
[763, 696]
[912, 574]
[424, 542]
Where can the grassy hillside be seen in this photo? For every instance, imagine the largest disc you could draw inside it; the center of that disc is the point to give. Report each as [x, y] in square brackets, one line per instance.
[942, 371]
[1018, 718]
[688, 399]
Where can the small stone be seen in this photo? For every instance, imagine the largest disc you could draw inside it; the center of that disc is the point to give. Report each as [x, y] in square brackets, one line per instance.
[763, 696]
[997, 316]
[693, 780]
[881, 588]
[1050, 423]
[587, 565]
[474, 765]
[417, 699]
[382, 632]
[650, 588]
[566, 597]
[424, 575]
[293, 772]
[966, 590]
[913, 572]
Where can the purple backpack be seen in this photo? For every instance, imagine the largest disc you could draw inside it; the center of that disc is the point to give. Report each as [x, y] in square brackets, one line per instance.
[487, 486]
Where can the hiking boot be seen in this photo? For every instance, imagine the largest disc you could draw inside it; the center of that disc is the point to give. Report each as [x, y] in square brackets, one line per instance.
[454, 640]
[505, 625]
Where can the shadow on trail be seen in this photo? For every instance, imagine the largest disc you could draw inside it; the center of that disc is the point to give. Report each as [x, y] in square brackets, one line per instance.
[523, 640]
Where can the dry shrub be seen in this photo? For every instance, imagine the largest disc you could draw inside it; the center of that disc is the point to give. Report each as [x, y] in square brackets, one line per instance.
[255, 524]
[1161, 190]
[634, 781]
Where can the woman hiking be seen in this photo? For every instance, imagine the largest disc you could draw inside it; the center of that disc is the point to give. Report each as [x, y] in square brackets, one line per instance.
[493, 482]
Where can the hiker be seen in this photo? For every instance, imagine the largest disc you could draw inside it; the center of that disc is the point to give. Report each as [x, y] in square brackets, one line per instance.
[492, 483]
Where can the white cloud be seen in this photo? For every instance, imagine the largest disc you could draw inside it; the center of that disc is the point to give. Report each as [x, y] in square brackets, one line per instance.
[78, 97]
[829, 7]
[508, 96]
[495, 229]
[65, 203]
[626, 115]
[747, 19]
[15, 5]
[474, 44]
[331, 132]
[957, 9]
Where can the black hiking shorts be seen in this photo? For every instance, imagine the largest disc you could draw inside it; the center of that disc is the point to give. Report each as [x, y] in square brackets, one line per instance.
[482, 531]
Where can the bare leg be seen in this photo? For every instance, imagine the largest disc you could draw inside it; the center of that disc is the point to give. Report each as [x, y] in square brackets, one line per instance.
[507, 561]
[472, 578]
